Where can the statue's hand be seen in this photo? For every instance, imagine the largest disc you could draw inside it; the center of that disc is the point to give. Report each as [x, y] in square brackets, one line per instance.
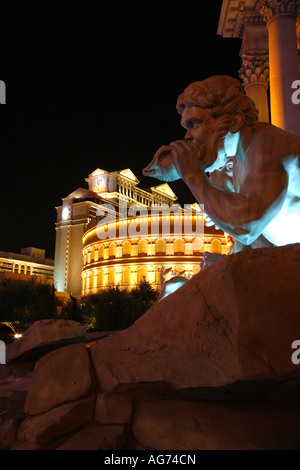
[162, 165]
[188, 158]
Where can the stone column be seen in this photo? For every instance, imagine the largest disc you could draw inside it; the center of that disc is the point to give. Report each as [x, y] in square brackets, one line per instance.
[255, 65]
[254, 73]
[280, 16]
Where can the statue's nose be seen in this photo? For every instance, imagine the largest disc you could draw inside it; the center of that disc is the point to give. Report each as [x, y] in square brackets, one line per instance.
[188, 135]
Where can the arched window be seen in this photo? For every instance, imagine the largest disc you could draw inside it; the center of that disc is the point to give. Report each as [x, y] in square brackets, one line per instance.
[126, 248]
[101, 252]
[112, 250]
[160, 246]
[95, 282]
[100, 278]
[179, 246]
[197, 245]
[112, 276]
[142, 274]
[143, 244]
[91, 280]
[126, 276]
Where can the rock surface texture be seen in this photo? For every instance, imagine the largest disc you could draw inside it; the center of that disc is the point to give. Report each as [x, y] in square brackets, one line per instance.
[44, 336]
[236, 320]
[208, 367]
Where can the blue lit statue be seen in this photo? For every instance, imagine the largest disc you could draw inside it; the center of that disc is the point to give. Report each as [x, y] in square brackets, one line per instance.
[246, 173]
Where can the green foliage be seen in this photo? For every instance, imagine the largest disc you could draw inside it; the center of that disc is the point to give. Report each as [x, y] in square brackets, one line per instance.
[115, 309]
[24, 302]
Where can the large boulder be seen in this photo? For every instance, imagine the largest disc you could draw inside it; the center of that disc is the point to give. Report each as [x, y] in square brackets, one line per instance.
[46, 427]
[60, 376]
[44, 336]
[234, 321]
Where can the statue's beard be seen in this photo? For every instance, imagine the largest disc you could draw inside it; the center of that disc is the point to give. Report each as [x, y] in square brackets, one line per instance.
[211, 157]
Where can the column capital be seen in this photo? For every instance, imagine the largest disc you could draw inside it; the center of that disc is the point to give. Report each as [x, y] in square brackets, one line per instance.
[255, 69]
[272, 8]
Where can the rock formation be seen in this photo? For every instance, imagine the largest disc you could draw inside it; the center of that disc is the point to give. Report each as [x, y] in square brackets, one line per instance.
[44, 336]
[208, 367]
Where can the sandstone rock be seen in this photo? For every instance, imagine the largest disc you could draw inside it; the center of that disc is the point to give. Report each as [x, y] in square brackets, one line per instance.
[60, 376]
[96, 436]
[182, 425]
[44, 336]
[113, 408]
[234, 321]
[46, 427]
[8, 433]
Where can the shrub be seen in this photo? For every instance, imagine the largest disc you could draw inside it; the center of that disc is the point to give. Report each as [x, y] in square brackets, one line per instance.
[115, 309]
[24, 302]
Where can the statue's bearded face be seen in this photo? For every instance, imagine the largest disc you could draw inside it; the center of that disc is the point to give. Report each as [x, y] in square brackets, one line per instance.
[204, 130]
[198, 124]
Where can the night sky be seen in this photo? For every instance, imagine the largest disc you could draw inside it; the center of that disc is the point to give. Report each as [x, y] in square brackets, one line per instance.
[94, 84]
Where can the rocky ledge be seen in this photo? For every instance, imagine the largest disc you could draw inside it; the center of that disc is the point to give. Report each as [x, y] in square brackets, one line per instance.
[208, 367]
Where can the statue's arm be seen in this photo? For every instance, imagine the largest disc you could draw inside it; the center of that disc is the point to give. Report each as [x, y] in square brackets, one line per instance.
[243, 214]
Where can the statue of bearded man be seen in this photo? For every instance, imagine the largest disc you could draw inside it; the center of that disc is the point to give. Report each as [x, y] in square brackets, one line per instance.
[244, 172]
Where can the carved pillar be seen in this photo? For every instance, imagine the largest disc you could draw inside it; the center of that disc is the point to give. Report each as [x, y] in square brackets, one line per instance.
[255, 65]
[280, 16]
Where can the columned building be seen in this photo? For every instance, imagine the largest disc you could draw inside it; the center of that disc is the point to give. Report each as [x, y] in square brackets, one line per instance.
[30, 262]
[115, 233]
[154, 245]
[270, 33]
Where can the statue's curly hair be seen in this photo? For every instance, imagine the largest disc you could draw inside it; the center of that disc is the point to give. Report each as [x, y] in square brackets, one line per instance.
[219, 95]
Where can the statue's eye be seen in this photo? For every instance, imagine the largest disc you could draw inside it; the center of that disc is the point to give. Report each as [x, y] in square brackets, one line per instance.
[197, 123]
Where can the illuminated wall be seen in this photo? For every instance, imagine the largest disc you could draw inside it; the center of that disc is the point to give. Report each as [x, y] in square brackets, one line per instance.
[88, 260]
[125, 261]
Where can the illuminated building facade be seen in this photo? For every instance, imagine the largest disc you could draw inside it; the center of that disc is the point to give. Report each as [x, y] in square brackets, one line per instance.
[165, 245]
[30, 262]
[115, 233]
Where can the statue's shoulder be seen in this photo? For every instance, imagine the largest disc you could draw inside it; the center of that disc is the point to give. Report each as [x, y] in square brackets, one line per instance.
[269, 137]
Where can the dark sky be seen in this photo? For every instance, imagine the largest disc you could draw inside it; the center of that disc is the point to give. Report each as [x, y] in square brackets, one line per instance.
[94, 84]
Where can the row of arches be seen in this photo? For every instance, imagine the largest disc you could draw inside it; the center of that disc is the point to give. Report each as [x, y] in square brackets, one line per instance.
[100, 279]
[22, 269]
[143, 249]
[93, 280]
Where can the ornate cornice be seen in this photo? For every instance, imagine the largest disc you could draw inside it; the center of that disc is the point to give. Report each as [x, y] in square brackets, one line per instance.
[246, 17]
[254, 69]
[272, 8]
